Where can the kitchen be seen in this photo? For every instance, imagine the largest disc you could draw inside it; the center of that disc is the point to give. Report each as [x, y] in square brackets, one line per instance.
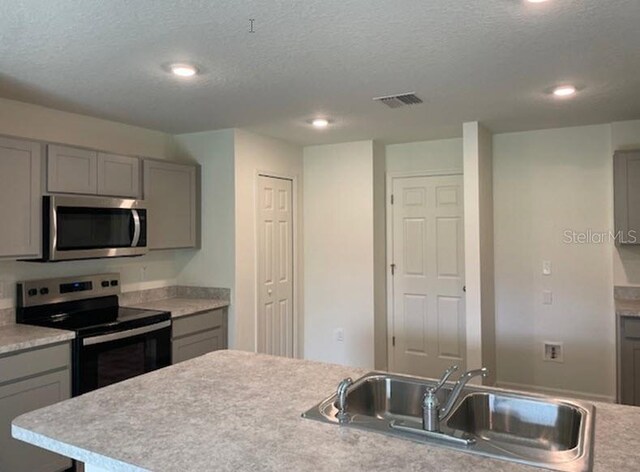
[544, 316]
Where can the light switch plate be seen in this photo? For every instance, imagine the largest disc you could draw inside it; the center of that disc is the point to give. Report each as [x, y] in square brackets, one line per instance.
[546, 267]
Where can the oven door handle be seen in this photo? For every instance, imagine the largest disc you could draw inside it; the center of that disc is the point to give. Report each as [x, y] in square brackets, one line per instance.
[105, 338]
[136, 228]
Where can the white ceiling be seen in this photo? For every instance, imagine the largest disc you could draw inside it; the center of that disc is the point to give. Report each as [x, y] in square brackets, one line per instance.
[487, 60]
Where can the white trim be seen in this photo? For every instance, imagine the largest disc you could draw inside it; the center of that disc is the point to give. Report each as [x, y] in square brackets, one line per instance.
[423, 173]
[297, 286]
[390, 176]
[557, 392]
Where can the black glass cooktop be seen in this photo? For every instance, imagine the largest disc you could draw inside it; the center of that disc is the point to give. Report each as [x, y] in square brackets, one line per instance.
[90, 317]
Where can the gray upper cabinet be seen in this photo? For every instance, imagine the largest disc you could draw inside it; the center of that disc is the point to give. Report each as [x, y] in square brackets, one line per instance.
[118, 175]
[626, 183]
[170, 191]
[72, 170]
[20, 192]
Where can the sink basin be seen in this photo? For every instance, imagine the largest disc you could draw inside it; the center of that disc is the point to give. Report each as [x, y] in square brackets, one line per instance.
[516, 421]
[529, 429]
[387, 397]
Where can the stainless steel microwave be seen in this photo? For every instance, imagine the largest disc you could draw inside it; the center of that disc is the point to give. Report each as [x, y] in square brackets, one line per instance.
[92, 227]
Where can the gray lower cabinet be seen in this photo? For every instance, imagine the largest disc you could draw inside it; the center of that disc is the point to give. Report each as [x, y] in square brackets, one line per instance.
[170, 191]
[20, 197]
[630, 361]
[30, 380]
[626, 184]
[195, 335]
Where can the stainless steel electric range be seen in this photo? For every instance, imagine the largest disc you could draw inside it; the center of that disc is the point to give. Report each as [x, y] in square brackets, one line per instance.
[113, 343]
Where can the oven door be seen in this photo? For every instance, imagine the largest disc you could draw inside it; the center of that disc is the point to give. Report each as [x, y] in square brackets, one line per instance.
[106, 359]
[93, 227]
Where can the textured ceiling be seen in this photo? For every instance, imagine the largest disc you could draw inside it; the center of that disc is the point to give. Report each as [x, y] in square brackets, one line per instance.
[487, 60]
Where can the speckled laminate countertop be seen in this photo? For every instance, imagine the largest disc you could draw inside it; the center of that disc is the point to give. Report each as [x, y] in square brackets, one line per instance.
[179, 306]
[237, 411]
[628, 308]
[16, 337]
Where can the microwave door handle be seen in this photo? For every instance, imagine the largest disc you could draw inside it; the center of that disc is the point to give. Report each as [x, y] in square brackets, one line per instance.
[105, 338]
[136, 228]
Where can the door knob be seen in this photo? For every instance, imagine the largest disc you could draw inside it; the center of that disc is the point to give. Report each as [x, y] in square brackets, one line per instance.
[269, 291]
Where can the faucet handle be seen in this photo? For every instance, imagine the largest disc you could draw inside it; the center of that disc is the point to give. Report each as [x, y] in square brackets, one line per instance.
[443, 379]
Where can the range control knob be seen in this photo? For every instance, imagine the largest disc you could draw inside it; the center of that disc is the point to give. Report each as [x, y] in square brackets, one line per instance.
[44, 291]
[32, 292]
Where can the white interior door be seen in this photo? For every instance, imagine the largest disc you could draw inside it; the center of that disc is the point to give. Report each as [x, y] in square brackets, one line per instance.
[275, 266]
[428, 314]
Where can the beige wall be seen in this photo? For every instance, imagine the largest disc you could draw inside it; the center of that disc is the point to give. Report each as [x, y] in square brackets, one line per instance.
[546, 182]
[159, 268]
[625, 135]
[253, 154]
[380, 267]
[214, 264]
[339, 252]
[45, 124]
[444, 154]
[478, 248]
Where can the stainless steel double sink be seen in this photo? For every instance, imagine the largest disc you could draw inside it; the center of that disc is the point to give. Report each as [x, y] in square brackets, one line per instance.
[529, 429]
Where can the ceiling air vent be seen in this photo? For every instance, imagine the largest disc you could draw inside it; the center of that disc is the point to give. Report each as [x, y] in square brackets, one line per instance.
[395, 101]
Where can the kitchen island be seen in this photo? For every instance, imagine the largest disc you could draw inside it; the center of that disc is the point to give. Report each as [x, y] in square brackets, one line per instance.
[237, 411]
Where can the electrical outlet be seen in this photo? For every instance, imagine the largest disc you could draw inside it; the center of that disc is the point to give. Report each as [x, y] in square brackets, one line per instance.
[547, 297]
[553, 351]
[338, 335]
[546, 267]
[143, 273]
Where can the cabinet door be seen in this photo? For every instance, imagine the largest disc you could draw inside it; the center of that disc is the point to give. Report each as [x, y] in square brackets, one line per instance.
[630, 361]
[22, 397]
[198, 344]
[626, 182]
[170, 194]
[71, 170]
[20, 194]
[118, 176]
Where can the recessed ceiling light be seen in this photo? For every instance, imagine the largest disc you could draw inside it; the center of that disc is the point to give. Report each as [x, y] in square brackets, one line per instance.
[320, 123]
[183, 70]
[536, 1]
[564, 91]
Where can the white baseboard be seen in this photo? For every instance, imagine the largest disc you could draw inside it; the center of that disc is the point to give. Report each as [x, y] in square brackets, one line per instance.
[557, 392]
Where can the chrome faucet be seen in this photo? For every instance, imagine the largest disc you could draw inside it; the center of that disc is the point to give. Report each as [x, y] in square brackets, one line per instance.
[341, 395]
[432, 414]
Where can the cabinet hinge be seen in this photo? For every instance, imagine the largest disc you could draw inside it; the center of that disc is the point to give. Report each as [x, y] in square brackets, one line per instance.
[393, 269]
[393, 341]
[392, 199]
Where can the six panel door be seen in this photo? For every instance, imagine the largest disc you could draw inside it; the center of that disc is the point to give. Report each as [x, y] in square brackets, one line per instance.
[428, 253]
[275, 266]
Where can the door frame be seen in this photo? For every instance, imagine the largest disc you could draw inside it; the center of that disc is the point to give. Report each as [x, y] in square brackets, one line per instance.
[298, 344]
[390, 177]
